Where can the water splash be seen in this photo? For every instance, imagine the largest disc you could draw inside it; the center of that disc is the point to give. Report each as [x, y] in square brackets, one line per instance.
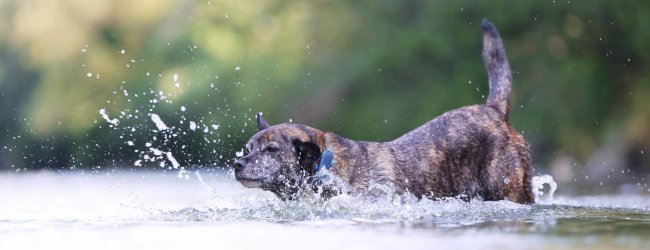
[538, 187]
[90, 205]
[104, 115]
[404, 210]
[159, 123]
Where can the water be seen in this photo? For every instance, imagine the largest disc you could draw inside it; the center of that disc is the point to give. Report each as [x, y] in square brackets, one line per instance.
[135, 210]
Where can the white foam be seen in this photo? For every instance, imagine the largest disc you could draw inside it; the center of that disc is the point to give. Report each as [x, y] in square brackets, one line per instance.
[538, 187]
[159, 123]
[104, 115]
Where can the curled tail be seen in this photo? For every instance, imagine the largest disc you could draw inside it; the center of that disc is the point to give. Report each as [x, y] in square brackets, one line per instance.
[499, 73]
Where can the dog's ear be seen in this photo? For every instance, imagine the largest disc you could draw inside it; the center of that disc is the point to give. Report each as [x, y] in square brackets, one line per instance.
[308, 154]
[261, 123]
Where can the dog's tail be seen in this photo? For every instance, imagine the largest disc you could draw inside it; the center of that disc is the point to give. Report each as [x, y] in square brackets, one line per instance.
[499, 73]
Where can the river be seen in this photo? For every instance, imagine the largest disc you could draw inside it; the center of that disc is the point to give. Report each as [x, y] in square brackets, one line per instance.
[121, 209]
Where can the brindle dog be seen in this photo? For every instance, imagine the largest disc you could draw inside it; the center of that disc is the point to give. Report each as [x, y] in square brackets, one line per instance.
[467, 152]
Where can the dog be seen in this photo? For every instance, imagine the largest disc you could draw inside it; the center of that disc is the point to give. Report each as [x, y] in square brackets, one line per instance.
[467, 152]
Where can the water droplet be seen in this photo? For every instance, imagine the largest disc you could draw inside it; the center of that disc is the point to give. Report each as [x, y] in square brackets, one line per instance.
[237, 68]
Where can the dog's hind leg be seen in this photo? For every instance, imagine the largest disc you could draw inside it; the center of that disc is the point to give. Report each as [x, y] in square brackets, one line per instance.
[518, 171]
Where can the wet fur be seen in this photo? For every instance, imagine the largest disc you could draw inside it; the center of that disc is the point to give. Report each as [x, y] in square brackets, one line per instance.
[470, 152]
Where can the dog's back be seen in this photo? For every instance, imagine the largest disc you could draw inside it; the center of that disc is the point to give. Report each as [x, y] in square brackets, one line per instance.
[469, 151]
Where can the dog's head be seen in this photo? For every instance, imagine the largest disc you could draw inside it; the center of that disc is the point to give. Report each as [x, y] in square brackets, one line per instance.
[280, 158]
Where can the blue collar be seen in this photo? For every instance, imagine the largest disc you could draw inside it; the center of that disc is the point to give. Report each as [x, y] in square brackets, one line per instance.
[326, 160]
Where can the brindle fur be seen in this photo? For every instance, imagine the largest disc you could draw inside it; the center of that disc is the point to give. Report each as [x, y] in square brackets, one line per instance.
[471, 151]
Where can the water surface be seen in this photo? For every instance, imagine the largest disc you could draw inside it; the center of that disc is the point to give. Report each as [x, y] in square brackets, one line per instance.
[137, 209]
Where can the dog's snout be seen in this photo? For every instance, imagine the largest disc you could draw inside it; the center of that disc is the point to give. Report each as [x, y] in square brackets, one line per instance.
[238, 165]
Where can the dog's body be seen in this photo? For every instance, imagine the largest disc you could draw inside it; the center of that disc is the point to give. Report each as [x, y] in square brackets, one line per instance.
[471, 151]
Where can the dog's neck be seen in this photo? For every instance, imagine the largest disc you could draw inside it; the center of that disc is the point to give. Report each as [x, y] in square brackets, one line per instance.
[357, 162]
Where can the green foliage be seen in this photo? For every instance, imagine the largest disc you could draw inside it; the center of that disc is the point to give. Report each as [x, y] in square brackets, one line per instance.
[368, 70]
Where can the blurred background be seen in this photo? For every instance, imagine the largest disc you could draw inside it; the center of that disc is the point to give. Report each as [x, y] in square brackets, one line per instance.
[82, 82]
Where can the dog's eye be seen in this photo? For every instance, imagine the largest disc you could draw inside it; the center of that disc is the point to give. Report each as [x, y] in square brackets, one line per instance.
[271, 148]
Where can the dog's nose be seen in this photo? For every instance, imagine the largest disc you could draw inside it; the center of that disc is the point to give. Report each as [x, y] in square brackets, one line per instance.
[238, 165]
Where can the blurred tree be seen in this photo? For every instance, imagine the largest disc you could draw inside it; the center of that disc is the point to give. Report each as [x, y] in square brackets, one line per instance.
[368, 70]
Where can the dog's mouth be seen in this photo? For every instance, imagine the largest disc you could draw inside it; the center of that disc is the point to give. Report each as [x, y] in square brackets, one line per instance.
[250, 182]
